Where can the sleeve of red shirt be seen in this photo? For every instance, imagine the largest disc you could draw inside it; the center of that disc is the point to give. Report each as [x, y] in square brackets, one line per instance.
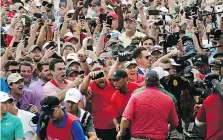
[114, 108]
[201, 117]
[130, 109]
[8, 40]
[173, 118]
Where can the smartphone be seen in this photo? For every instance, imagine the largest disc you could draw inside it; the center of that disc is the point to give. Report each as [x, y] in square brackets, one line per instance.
[99, 75]
[109, 22]
[90, 47]
[102, 17]
[37, 15]
[153, 12]
[15, 44]
[23, 21]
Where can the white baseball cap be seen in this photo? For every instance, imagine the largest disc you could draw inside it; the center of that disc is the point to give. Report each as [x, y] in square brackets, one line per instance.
[14, 77]
[162, 73]
[73, 95]
[173, 62]
[4, 97]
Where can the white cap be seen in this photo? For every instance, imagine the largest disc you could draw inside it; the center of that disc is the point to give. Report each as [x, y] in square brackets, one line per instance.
[128, 63]
[68, 34]
[14, 77]
[173, 63]
[69, 44]
[4, 97]
[162, 73]
[73, 95]
[73, 56]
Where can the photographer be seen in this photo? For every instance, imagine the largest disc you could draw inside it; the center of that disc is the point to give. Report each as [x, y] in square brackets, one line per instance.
[210, 116]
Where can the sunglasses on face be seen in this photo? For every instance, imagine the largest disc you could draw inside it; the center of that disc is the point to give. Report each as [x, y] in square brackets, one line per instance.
[147, 57]
[166, 69]
[14, 71]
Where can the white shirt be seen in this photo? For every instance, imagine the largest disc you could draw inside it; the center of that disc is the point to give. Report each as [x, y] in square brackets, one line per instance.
[26, 118]
[144, 70]
[127, 40]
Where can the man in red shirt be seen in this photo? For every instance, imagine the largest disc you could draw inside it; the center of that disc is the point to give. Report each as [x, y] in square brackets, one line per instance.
[121, 97]
[149, 112]
[100, 94]
[210, 116]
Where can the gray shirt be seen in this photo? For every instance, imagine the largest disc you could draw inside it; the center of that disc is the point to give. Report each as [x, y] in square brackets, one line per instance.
[90, 125]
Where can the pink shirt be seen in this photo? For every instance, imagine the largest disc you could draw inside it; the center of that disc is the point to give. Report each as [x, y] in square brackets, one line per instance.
[51, 88]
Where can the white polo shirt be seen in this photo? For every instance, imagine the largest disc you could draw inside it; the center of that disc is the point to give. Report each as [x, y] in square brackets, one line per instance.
[29, 128]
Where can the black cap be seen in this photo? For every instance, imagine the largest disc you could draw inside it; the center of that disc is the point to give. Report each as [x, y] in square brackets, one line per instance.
[70, 71]
[200, 59]
[152, 77]
[218, 55]
[48, 104]
[119, 73]
[186, 38]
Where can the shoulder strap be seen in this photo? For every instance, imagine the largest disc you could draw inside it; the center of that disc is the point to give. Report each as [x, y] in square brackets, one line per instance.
[85, 118]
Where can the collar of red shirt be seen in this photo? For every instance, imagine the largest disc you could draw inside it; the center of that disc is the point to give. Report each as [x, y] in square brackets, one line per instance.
[56, 84]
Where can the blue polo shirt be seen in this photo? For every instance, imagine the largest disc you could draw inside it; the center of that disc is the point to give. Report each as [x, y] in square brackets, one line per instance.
[4, 85]
[76, 129]
[11, 128]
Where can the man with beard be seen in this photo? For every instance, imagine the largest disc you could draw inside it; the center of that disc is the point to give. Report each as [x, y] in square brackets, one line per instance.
[100, 99]
[24, 99]
[58, 86]
[44, 77]
[35, 53]
[121, 97]
[130, 30]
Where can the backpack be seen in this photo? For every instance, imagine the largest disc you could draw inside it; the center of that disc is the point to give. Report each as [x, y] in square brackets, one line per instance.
[44, 120]
[85, 119]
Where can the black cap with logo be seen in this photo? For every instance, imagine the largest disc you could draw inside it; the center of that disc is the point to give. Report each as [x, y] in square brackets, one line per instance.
[48, 104]
[118, 74]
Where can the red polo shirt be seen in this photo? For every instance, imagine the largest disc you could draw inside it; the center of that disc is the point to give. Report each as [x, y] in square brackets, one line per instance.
[120, 100]
[211, 112]
[101, 106]
[150, 111]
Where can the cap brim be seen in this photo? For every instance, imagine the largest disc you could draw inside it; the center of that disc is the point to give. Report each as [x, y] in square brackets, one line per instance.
[176, 64]
[199, 63]
[16, 80]
[115, 78]
[48, 112]
[75, 101]
[130, 65]
[166, 73]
